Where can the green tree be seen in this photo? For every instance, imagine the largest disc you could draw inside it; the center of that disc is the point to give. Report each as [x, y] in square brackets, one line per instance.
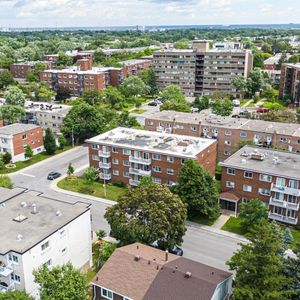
[258, 266]
[251, 213]
[240, 84]
[14, 96]
[113, 97]
[14, 295]
[147, 214]
[294, 59]
[34, 75]
[257, 81]
[145, 180]
[172, 92]
[49, 142]
[201, 102]
[6, 79]
[70, 170]
[243, 143]
[11, 113]
[62, 142]
[133, 86]
[99, 56]
[62, 94]
[91, 96]
[102, 252]
[45, 94]
[90, 174]
[181, 44]
[176, 105]
[196, 187]
[6, 157]
[271, 94]
[5, 182]
[149, 78]
[28, 152]
[63, 60]
[222, 107]
[287, 236]
[101, 234]
[61, 283]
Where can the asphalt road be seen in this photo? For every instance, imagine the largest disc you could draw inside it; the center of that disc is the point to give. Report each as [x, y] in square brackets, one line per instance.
[199, 244]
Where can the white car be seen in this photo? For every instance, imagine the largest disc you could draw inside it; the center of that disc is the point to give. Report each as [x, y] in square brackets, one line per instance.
[236, 102]
[194, 110]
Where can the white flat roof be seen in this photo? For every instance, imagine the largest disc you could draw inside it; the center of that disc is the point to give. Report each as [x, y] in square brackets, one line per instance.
[156, 142]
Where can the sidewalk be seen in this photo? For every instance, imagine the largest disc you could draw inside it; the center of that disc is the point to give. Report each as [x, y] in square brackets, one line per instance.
[218, 224]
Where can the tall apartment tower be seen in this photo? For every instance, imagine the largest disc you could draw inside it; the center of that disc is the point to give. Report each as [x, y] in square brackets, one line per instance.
[200, 70]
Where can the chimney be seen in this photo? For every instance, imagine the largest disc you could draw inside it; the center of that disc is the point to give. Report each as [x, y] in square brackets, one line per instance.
[84, 64]
[200, 46]
[166, 255]
[188, 275]
[34, 209]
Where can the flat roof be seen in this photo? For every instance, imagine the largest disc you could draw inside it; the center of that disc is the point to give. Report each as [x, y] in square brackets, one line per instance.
[275, 162]
[75, 70]
[151, 141]
[134, 61]
[20, 236]
[17, 128]
[46, 107]
[228, 122]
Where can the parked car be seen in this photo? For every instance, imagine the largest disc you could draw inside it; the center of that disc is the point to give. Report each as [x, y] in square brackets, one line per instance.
[243, 113]
[194, 110]
[235, 116]
[174, 250]
[53, 175]
[236, 102]
[154, 103]
[161, 100]
[262, 110]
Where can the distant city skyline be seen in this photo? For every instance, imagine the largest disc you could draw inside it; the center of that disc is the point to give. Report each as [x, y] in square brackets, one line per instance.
[99, 13]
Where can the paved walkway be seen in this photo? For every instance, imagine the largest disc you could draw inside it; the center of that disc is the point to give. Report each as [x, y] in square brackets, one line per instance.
[220, 221]
[247, 103]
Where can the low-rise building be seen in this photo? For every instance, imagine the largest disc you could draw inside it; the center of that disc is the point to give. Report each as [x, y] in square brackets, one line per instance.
[20, 70]
[37, 231]
[15, 137]
[132, 67]
[272, 176]
[290, 82]
[228, 131]
[125, 155]
[140, 272]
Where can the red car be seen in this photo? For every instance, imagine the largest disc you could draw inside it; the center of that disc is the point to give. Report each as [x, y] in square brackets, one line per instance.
[262, 110]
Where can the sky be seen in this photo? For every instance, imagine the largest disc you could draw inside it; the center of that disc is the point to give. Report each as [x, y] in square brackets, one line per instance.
[52, 13]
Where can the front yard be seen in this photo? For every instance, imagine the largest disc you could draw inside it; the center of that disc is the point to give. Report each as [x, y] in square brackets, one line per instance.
[96, 189]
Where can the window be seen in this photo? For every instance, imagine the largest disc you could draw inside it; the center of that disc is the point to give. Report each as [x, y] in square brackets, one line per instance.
[227, 153]
[283, 140]
[156, 169]
[266, 178]
[15, 277]
[95, 157]
[182, 161]
[115, 150]
[48, 263]
[228, 132]
[277, 210]
[193, 128]
[228, 143]
[170, 159]
[95, 146]
[170, 171]
[115, 161]
[13, 258]
[126, 152]
[126, 163]
[150, 122]
[126, 174]
[63, 251]
[245, 200]
[280, 181]
[230, 171]
[24, 137]
[248, 174]
[230, 184]
[156, 180]
[45, 246]
[247, 188]
[292, 199]
[156, 156]
[179, 126]
[243, 134]
[116, 172]
[293, 184]
[264, 192]
[106, 294]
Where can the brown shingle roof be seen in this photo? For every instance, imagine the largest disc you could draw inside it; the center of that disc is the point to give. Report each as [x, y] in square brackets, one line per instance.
[148, 279]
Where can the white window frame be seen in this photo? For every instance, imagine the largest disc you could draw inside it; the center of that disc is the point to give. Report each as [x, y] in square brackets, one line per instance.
[230, 184]
[245, 189]
[170, 159]
[261, 178]
[231, 173]
[108, 291]
[170, 173]
[155, 156]
[243, 134]
[248, 177]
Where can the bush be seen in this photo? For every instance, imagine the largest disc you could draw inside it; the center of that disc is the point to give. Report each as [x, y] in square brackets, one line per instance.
[6, 157]
[5, 182]
[90, 174]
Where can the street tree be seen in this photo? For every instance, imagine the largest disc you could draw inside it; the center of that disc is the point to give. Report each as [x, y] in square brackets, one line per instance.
[133, 86]
[70, 170]
[146, 214]
[28, 152]
[222, 107]
[62, 142]
[6, 157]
[14, 96]
[15, 295]
[12, 113]
[240, 83]
[49, 142]
[201, 102]
[90, 174]
[257, 81]
[258, 265]
[6, 79]
[251, 213]
[196, 187]
[175, 105]
[61, 283]
[172, 92]
[34, 75]
[113, 97]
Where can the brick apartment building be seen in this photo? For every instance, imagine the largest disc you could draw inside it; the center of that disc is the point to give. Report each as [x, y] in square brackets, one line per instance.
[200, 70]
[272, 176]
[227, 131]
[20, 70]
[15, 137]
[142, 272]
[290, 82]
[132, 67]
[125, 155]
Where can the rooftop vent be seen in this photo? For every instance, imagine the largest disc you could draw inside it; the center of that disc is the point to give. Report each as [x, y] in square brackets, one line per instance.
[257, 155]
[58, 213]
[19, 237]
[188, 275]
[34, 209]
[137, 258]
[275, 160]
[23, 204]
[20, 218]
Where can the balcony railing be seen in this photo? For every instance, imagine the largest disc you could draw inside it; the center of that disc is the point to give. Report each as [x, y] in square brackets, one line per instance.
[285, 189]
[104, 165]
[105, 154]
[284, 219]
[140, 160]
[134, 182]
[4, 288]
[5, 271]
[105, 176]
[139, 172]
[283, 204]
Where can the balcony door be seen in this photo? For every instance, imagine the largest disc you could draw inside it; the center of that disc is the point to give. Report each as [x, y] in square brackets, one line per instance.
[280, 181]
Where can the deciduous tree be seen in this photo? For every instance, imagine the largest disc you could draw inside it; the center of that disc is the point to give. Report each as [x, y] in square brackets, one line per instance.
[172, 92]
[11, 113]
[222, 107]
[49, 142]
[14, 96]
[6, 79]
[28, 152]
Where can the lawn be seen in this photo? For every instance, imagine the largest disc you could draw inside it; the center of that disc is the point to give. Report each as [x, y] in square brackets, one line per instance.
[96, 189]
[35, 159]
[233, 225]
[138, 111]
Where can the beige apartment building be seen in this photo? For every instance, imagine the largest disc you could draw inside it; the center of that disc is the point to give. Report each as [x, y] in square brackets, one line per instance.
[200, 70]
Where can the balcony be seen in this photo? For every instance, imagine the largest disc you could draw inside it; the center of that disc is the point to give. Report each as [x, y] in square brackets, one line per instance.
[285, 190]
[139, 172]
[4, 288]
[134, 182]
[105, 176]
[284, 204]
[5, 270]
[139, 160]
[105, 154]
[159, 128]
[104, 165]
[283, 219]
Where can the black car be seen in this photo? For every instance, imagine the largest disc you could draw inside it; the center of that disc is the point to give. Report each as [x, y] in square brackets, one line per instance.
[153, 103]
[53, 175]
